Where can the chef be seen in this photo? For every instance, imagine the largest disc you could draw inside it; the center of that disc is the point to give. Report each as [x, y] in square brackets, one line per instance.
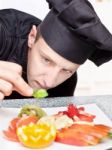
[46, 54]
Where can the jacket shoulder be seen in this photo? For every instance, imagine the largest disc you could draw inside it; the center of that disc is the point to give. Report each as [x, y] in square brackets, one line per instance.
[17, 22]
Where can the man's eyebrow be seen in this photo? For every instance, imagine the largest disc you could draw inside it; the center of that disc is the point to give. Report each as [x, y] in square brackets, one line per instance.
[46, 56]
[43, 54]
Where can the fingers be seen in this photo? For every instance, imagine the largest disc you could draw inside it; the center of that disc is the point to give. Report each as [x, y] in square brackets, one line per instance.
[17, 81]
[10, 79]
[22, 87]
[5, 87]
[11, 66]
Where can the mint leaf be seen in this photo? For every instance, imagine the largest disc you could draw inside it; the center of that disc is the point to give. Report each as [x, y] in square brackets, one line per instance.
[41, 93]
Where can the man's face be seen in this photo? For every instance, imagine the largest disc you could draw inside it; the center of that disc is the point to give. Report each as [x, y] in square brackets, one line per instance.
[47, 69]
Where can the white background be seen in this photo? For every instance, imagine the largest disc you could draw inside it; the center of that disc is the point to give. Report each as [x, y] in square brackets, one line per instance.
[92, 80]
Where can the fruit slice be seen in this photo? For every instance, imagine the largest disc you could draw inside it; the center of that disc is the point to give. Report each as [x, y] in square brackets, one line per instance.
[36, 135]
[27, 120]
[32, 110]
[41, 93]
[83, 134]
[13, 124]
[11, 136]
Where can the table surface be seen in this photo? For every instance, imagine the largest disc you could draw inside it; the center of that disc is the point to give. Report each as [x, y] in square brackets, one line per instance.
[104, 102]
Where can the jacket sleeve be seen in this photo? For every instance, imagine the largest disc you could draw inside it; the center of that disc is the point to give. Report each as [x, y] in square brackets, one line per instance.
[81, 18]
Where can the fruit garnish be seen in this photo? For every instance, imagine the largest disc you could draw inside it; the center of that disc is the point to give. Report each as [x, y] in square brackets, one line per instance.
[83, 134]
[60, 122]
[41, 93]
[11, 133]
[36, 135]
[32, 110]
[73, 126]
[77, 114]
[26, 120]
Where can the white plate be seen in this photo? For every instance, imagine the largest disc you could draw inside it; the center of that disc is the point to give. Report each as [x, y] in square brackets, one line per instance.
[6, 114]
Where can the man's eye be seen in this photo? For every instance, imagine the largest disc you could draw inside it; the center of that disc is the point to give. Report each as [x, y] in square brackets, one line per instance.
[45, 60]
[67, 71]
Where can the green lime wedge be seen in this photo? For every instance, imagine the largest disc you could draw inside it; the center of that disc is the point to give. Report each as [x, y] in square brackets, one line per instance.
[41, 93]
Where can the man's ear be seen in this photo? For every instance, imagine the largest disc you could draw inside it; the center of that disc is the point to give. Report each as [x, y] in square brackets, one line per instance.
[32, 36]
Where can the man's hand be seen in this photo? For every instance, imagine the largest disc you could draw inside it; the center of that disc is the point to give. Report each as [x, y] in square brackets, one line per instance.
[10, 80]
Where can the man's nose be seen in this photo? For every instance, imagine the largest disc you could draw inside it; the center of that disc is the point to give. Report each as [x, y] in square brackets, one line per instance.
[52, 78]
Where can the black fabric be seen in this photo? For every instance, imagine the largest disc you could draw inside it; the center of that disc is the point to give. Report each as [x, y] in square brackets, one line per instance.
[80, 19]
[63, 41]
[14, 29]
